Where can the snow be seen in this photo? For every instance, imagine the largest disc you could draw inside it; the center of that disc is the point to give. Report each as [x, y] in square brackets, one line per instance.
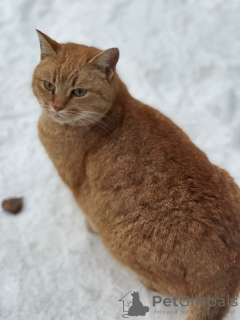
[180, 56]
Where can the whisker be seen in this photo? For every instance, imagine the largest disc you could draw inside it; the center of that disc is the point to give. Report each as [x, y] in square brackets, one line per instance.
[91, 117]
[97, 113]
[94, 121]
[99, 121]
[94, 115]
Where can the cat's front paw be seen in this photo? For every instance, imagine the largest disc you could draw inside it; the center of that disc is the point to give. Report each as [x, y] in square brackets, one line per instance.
[90, 226]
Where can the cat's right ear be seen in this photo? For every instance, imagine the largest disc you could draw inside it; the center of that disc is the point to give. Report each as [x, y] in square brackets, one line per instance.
[48, 46]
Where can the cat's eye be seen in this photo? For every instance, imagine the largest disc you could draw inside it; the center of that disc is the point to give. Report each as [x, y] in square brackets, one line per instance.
[49, 86]
[79, 92]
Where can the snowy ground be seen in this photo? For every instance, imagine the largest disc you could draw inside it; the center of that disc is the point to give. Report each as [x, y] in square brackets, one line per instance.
[180, 56]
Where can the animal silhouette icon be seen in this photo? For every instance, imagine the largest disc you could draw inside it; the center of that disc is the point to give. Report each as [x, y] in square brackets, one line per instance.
[137, 308]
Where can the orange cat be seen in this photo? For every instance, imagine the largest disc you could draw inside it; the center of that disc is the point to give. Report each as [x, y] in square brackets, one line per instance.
[159, 205]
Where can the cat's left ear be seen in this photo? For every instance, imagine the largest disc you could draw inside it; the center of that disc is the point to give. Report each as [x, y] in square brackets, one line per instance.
[106, 61]
[48, 46]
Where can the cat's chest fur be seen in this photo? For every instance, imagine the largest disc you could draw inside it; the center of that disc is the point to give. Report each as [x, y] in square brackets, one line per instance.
[65, 149]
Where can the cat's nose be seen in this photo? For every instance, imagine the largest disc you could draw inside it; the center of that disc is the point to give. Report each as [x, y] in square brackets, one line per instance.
[58, 108]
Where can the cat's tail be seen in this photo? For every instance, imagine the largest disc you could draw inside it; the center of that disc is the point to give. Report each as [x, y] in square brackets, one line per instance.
[146, 309]
[214, 302]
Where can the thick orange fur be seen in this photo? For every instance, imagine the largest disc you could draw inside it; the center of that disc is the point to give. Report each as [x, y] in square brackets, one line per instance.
[160, 206]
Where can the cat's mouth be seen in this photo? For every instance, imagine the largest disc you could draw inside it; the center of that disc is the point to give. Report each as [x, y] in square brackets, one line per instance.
[84, 118]
[56, 116]
[63, 118]
[59, 118]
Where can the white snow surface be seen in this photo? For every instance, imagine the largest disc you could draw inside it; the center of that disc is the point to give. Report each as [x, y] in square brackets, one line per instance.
[179, 56]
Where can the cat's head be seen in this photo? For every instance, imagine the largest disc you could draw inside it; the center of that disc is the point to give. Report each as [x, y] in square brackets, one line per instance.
[75, 84]
[135, 294]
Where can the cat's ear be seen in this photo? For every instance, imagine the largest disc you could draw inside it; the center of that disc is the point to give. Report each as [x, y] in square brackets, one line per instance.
[48, 46]
[106, 61]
